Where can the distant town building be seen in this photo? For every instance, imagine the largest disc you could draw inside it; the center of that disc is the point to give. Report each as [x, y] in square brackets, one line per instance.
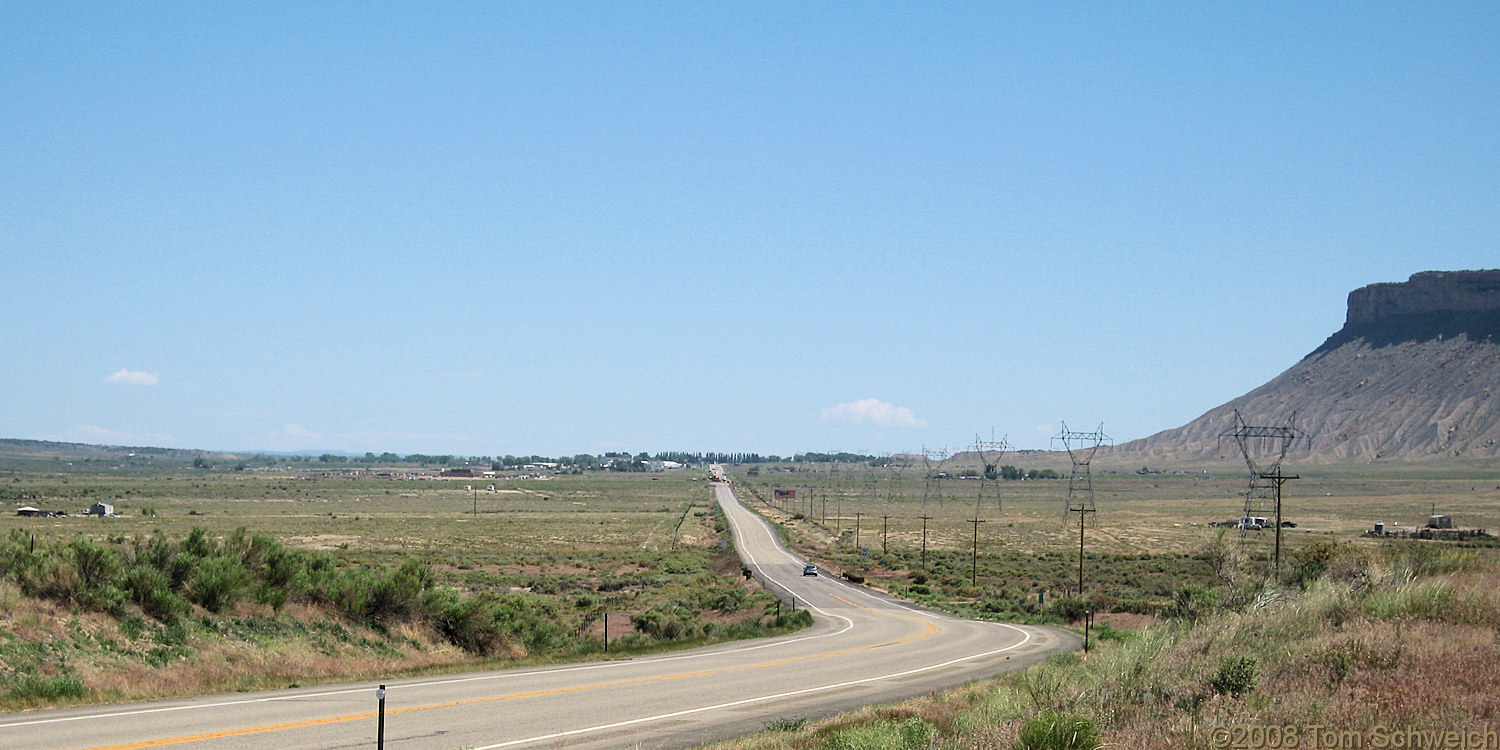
[101, 509]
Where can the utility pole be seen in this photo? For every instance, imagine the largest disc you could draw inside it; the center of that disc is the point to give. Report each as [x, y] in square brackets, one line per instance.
[475, 491]
[1081, 515]
[838, 513]
[925, 519]
[1081, 447]
[857, 515]
[884, 533]
[974, 560]
[1264, 448]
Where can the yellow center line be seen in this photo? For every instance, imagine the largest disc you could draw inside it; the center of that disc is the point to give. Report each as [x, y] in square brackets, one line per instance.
[535, 694]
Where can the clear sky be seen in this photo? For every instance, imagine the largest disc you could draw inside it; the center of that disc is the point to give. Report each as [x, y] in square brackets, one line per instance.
[557, 228]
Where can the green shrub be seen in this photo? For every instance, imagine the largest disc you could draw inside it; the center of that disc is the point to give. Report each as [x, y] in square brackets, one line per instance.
[1192, 602]
[465, 622]
[799, 619]
[1070, 609]
[165, 605]
[784, 724]
[666, 626]
[106, 598]
[219, 582]
[45, 688]
[1237, 675]
[1339, 561]
[1052, 730]
[96, 565]
[911, 734]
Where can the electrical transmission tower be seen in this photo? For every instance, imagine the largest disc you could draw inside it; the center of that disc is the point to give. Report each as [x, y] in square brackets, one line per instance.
[1264, 448]
[872, 475]
[895, 468]
[1081, 447]
[989, 452]
[933, 462]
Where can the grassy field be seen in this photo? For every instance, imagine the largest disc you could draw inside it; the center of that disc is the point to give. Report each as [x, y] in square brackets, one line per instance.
[649, 550]
[1363, 642]
[1374, 652]
[1148, 537]
[543, 561]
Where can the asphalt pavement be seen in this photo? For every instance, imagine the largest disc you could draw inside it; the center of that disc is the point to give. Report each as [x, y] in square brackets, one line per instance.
[863, 648]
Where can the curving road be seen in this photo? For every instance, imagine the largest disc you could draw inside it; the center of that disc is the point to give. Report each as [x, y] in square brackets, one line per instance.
[863, 648]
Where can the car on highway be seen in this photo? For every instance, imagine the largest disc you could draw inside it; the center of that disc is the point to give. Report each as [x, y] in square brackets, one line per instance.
[809, 570]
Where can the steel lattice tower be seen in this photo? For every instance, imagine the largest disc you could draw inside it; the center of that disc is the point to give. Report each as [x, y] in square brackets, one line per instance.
[1081, 448]
[933, 462]
[989, 452]
[1264, 449]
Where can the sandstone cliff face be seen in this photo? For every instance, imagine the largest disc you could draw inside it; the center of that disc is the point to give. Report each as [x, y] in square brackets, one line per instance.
[1414, 373]
[1432, 292]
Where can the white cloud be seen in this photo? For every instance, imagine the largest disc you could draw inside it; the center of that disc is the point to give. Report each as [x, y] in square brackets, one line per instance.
[378, 438]
[92, 433]
[290, 430]
[133, 377]
[873, 411]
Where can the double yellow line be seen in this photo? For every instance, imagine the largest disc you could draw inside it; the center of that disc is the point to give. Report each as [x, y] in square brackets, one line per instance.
[520, 696]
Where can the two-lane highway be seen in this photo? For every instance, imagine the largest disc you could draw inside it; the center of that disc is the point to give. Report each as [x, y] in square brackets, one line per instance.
[863, 648]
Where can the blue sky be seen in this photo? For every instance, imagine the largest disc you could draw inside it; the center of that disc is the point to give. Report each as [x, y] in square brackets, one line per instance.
[559, 228]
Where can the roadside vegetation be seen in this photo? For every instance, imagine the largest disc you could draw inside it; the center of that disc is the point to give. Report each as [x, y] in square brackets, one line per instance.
[1389, 641]
[1145, 543]
[166, 600]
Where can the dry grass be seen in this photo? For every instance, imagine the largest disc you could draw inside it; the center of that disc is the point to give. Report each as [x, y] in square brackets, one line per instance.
[1351, 653]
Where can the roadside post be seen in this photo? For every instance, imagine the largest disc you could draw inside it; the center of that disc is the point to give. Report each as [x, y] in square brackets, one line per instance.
[380, 725]
[1088, 619]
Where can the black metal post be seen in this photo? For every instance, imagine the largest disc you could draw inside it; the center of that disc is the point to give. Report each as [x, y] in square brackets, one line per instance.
[380, 725]
[1088, 619]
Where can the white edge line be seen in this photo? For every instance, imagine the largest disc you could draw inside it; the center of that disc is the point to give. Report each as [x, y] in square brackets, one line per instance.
[848, 625]
[761, 699]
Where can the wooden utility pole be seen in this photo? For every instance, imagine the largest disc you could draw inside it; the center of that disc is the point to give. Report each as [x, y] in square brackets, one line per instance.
[857, 515]
[925, 519]
[974, 560]
[1081, 513]
[884, 533]
[1279, 479]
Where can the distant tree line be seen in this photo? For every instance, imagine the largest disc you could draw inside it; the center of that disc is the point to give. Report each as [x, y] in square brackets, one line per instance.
[585, 461]
[1012, 473]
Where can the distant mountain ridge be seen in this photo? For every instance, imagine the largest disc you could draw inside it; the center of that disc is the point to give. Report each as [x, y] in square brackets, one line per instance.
[54, 449]
[1414, 373]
